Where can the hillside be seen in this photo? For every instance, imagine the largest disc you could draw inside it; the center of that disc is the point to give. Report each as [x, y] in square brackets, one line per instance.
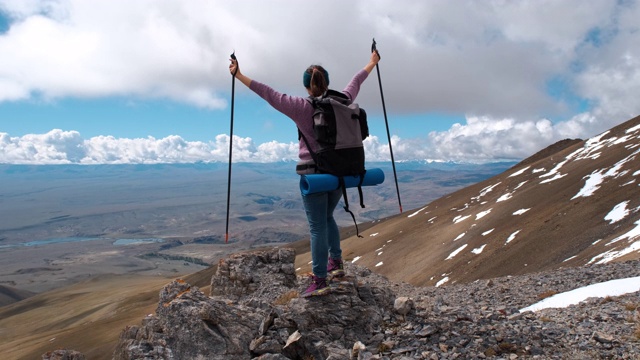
[570, 205]
[577, 205]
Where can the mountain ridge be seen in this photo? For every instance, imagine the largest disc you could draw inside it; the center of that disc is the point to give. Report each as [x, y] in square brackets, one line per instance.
[568, 212]
[522, 212]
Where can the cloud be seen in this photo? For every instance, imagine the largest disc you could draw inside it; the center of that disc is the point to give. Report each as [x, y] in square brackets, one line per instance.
[68, 147]
[492, 61]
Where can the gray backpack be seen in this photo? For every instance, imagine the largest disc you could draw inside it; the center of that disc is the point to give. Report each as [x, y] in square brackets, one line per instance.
[339, 127]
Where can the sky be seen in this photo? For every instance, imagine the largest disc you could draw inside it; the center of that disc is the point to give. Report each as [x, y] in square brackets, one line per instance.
[147, 81]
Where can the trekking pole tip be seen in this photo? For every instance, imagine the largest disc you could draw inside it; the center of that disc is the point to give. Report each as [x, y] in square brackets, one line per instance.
[226, 238]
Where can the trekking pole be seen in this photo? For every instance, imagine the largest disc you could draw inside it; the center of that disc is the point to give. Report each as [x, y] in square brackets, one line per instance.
[384, 111]
[233, 87]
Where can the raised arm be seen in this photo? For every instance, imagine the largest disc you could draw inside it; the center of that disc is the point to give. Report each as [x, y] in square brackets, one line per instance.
[375, 57]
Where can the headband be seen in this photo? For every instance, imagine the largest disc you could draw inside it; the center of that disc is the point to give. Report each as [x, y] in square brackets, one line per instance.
[306, 78]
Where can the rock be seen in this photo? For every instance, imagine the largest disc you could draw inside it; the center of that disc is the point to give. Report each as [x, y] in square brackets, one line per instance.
[254, 312]
[63, 354]
[403, 305]
[262, 274]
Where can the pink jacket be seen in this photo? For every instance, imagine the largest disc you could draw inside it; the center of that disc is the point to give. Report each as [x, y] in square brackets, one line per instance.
[300, 110]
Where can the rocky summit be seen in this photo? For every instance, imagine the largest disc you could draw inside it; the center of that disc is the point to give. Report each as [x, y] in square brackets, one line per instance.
[254, 312]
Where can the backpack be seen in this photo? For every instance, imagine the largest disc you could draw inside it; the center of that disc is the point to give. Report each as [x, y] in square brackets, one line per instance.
[339, 127]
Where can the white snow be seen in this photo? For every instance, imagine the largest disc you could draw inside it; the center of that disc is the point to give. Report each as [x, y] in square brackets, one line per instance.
[535, 171]
[482, 214]
[355, 259]
[380, 253]
[416, 213]
[609, 288]
[485, 191]
[459, 218]
[590, 185]
[431, 220]
[459, 236]
[618, 212]
[505, 197]
[519, 172]
[379, 264]
[478, 251]
[520, 185]
[441, 282]
[512, 237]
[631, 235]
[487, 232]
[556, 177]
[521, 211]
[570, 258]
[456, 252]
[375, 234]
[633, 129]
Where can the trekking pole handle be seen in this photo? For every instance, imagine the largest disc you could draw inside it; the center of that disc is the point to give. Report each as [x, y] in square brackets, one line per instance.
[233, 57]
[373, 47]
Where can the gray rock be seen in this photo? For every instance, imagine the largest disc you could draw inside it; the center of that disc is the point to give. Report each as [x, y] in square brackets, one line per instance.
[254, 312]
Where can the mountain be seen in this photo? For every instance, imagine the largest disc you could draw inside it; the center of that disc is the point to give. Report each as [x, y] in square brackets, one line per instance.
[9, 295]
[572, 204]
[563, 218]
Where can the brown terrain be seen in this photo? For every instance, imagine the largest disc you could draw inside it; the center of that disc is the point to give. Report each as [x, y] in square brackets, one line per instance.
[552, 210]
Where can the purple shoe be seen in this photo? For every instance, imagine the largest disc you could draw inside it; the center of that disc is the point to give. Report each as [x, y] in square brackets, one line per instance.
[317, 287]
[335, 267]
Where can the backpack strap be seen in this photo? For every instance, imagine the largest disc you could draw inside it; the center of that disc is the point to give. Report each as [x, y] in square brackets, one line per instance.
[360, 189]
[311, 152]
[346, 204]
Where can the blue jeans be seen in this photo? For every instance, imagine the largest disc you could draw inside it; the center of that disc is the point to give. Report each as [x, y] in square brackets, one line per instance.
[325, 236]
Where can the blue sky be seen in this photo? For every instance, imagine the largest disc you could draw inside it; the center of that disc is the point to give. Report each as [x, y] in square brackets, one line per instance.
[466, 81]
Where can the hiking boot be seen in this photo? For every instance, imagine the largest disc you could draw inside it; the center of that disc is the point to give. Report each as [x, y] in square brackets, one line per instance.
[335, 267]
[317, 287]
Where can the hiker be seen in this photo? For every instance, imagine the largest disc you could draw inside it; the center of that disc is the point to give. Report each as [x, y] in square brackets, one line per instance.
[326, 253]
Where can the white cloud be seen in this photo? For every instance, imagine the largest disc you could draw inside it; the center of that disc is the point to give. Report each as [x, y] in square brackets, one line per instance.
[492, 61]
[68, 147]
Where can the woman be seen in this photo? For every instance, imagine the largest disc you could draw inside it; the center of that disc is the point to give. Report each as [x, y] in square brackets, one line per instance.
[325, 237]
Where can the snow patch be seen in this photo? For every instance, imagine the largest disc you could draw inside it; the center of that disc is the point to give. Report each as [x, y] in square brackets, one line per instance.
[512, 237]
[417, 212]
[460, 218]
[379, 264]
[519, 172]
[459, 236]
[442, 281]
[482, 214]
[520, 185]
[505, 197]
[487, 232]
[618, 212]
[456, 252]
[485, 191]
[478, 251]
[356, 259]
[608, 288]
[521, 211]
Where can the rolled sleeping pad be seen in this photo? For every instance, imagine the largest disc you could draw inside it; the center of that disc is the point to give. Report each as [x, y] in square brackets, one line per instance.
[313, 183]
